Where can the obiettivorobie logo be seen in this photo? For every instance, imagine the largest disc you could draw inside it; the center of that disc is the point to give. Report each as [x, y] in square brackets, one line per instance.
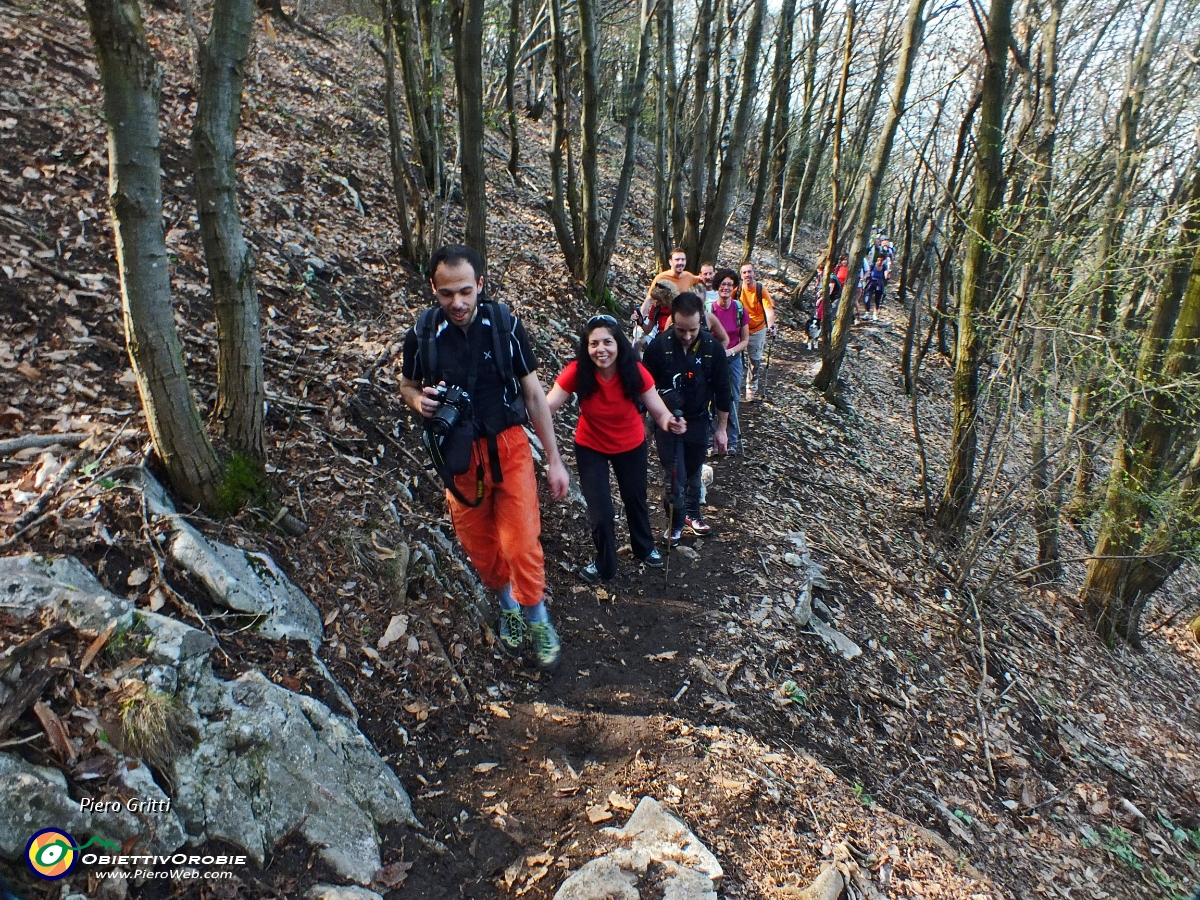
[52, 853]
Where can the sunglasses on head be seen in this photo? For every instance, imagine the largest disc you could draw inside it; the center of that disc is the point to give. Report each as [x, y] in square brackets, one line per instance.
[601, 320]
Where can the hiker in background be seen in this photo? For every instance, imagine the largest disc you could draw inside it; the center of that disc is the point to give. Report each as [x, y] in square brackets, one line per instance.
[662, 295]
[469, 371]
[691, 364]
[828, 301]
[729, 310]
[877, 281]
[676, 276]
[609, 381]
[761, 309]
[707, 271]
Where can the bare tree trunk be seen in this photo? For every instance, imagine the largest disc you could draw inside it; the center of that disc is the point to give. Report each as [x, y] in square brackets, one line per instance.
[1046, 494]
[1105, 311]
[675, 152]
[835, 194]
[914, 318]
[420, 31]
[791, 175]
[812, 167]
[662, 241]
[690, 238]
[560, 137]
[589, 65]
[598, 274]
[979, 280]
[132, 83]
[775, 125]
[1146, 442]
[776, 200]
[731, 166]
[240, 393]
[402, 186]
[867, 198]
[510, 88]
[468, 78]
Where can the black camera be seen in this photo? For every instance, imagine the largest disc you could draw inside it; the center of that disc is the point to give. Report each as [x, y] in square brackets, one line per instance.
[455, 406]
[672, 399]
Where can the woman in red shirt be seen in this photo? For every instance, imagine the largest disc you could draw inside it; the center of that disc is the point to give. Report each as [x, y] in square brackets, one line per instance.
[609, 381]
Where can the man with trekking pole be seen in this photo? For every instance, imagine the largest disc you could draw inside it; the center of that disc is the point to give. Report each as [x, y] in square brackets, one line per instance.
[691, 372]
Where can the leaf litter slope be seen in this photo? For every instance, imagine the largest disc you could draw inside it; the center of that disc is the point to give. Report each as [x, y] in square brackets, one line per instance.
[1092, 755]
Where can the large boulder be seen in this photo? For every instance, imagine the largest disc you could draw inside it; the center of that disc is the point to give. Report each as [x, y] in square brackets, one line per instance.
[684, 868]
[263, 762]
[239, 580]
[36, 797]
[247, 582]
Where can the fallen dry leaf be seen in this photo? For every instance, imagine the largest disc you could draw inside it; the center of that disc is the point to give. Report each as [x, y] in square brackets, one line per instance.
[619, 801]
[598, 814]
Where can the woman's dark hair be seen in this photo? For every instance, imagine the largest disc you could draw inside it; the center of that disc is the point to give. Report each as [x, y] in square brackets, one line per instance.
[627, 361]
[721, 274]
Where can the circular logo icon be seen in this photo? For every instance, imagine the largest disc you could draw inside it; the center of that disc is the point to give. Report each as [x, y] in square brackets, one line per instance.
[51, 853]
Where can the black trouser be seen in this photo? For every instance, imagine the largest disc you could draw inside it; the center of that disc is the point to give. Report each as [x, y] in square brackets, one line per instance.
[873, 293]
[630, 469]
[681, 461]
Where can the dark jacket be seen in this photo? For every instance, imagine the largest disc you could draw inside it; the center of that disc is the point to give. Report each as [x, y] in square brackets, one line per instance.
[703, 376]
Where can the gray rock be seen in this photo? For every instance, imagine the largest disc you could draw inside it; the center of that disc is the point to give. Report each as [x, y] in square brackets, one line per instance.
[600, 879]
[835, 640]
[37, 797]
[688, 884]
[238, 580]
[264, 763]
[340, 892]
[30, 583]
[249, 583]
[271, 762]
[664, 838]
[652, 835]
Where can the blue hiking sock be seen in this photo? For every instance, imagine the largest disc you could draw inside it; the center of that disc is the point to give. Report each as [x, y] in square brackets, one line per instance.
[538, 613]
[504, 595]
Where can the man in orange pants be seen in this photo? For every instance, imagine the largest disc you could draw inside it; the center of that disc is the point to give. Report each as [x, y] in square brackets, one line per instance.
[476, 346]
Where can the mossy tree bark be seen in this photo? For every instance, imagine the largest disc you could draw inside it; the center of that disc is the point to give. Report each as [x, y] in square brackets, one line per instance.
[1147, 507]
[132, 83]
[240, 392]
[867, 201]
[979, 277]
[468, 79]
[716, 217]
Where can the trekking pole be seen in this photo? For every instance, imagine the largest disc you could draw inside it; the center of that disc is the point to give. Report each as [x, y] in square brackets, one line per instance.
[671, 500]
[766, 368]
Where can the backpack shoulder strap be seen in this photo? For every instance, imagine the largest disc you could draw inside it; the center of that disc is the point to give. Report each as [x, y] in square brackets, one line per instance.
[427, 344]
[502, 329]
[758, 292]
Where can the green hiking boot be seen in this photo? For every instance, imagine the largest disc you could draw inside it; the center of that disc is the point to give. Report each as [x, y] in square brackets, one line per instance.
[546, 645]
[512, 630]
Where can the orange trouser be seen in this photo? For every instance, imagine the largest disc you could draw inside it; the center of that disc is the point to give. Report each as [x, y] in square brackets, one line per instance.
[502, 536]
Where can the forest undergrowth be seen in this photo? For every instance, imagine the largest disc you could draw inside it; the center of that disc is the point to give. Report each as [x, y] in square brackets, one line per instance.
[982, 745]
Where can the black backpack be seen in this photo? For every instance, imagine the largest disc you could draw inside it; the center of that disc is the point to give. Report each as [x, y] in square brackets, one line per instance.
[501, 319]
[450, 461]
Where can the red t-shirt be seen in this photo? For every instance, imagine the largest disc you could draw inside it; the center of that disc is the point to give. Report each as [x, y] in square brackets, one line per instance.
[608, 420]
